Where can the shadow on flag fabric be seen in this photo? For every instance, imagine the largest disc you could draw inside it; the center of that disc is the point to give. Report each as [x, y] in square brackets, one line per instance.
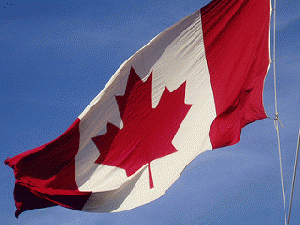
[191, 89]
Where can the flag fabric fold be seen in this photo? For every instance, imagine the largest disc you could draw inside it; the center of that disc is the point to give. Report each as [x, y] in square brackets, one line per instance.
[190, 89]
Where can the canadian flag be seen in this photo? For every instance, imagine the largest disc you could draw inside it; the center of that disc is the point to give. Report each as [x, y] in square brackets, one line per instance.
[191, 89]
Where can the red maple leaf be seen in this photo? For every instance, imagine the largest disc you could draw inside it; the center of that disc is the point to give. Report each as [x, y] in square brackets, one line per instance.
[147, 133]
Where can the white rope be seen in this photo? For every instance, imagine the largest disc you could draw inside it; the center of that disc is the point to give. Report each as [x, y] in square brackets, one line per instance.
[294, 177]
[281, 170]
[276, 113]
[274, 67]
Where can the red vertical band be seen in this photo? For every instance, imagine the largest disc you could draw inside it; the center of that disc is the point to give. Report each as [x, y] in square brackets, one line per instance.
[45, 176]
[236, 39]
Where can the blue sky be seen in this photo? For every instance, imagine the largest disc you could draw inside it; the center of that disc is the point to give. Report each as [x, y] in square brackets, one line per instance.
[56, 56]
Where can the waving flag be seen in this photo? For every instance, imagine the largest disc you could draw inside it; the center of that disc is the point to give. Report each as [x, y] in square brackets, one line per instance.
[191, 89]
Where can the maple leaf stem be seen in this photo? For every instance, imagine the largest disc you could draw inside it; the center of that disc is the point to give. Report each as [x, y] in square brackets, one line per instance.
[150, 177]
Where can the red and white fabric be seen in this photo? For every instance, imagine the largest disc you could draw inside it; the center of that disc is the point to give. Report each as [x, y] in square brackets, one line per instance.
[192, 88]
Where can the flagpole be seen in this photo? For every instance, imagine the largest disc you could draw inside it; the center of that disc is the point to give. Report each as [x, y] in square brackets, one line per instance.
[276, 119]
[294, 177]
